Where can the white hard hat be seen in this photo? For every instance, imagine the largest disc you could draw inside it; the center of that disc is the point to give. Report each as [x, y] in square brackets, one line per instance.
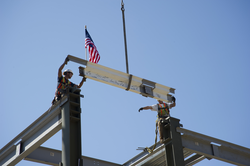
[67, 71]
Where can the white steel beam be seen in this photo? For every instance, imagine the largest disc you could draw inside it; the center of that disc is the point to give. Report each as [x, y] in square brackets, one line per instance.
[214, 148]
[33, 136]
[123, 80]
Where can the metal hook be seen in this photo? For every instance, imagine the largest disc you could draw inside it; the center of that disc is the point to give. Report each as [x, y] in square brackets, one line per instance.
[122, 4]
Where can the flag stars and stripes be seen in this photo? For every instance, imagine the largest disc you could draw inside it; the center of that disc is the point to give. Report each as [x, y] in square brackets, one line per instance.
[93, 53]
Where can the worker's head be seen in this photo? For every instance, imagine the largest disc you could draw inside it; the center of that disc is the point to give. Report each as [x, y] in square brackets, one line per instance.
[68, 73]
[160, 101]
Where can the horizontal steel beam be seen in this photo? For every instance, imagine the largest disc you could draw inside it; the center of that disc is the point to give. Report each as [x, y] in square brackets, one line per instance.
[77, 60]
[194, 160]
[214, 148]
[45, 156]
[33, 136]
[201, 147]
[49, 156]
[123, 80]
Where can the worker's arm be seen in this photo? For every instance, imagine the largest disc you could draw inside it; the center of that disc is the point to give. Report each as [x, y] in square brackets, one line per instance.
[172, 104]
[146, 108]
[80, 84]
[61, 67]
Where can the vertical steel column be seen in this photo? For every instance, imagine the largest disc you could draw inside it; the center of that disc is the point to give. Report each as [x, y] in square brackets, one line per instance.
[71, 129]
[173, 143]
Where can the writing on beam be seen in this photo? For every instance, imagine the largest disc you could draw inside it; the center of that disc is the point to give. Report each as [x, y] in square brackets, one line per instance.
[123, 80]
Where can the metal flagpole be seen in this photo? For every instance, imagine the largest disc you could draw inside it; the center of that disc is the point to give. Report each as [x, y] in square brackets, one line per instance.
[84, 46]
[124, 31]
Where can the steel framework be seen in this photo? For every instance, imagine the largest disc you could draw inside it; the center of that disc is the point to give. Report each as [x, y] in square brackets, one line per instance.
[181, 147]
[194, 147]
[65, 115]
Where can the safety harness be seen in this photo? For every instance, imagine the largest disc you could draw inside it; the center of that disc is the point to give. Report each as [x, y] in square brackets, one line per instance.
[163, 110]
[64, 83]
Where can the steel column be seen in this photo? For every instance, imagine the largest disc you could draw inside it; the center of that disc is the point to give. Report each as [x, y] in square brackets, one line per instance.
[71, 130]
[173, 143]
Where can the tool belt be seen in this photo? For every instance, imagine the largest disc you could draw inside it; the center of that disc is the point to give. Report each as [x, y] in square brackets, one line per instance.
[162, 117]
[162, 120]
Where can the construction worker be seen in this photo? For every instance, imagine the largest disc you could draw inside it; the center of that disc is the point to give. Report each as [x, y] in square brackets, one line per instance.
[163, 112]
[63, 81]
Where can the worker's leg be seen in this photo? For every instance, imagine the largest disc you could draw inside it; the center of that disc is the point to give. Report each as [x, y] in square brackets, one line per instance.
[160, 127]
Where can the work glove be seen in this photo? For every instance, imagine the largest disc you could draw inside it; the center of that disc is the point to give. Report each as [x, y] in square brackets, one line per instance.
[66, 61]
[173, 99]
[140, 109]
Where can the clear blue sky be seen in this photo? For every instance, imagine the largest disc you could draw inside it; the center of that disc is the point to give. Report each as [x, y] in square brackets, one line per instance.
[200, 48]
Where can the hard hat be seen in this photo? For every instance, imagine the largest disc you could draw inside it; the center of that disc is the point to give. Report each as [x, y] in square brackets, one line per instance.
[67, 71]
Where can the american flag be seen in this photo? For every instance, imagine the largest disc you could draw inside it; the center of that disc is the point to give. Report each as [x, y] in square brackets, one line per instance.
[93, 53]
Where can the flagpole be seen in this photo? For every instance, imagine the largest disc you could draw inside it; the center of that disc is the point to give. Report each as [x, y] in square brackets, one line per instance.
[86, 47]
[124, 31]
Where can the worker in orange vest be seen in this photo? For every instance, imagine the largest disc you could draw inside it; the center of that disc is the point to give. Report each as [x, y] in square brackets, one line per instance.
[163, 113]
[63, 81]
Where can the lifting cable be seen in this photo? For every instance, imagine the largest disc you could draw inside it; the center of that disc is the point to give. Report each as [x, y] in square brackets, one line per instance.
[124, 32]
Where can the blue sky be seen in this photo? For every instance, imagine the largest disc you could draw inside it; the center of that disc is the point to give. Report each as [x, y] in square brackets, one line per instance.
[200, 48]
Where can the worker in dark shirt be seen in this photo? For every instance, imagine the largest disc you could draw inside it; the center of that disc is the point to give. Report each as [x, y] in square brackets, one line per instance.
[63, 81]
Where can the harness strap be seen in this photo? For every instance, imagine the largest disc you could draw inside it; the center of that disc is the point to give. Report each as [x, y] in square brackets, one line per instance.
[161, 109]
[62, 85]
[151, 150]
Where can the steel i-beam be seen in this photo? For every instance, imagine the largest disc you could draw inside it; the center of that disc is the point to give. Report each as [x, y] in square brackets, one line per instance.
[173, 143]
[123, 80]
[71, 130]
